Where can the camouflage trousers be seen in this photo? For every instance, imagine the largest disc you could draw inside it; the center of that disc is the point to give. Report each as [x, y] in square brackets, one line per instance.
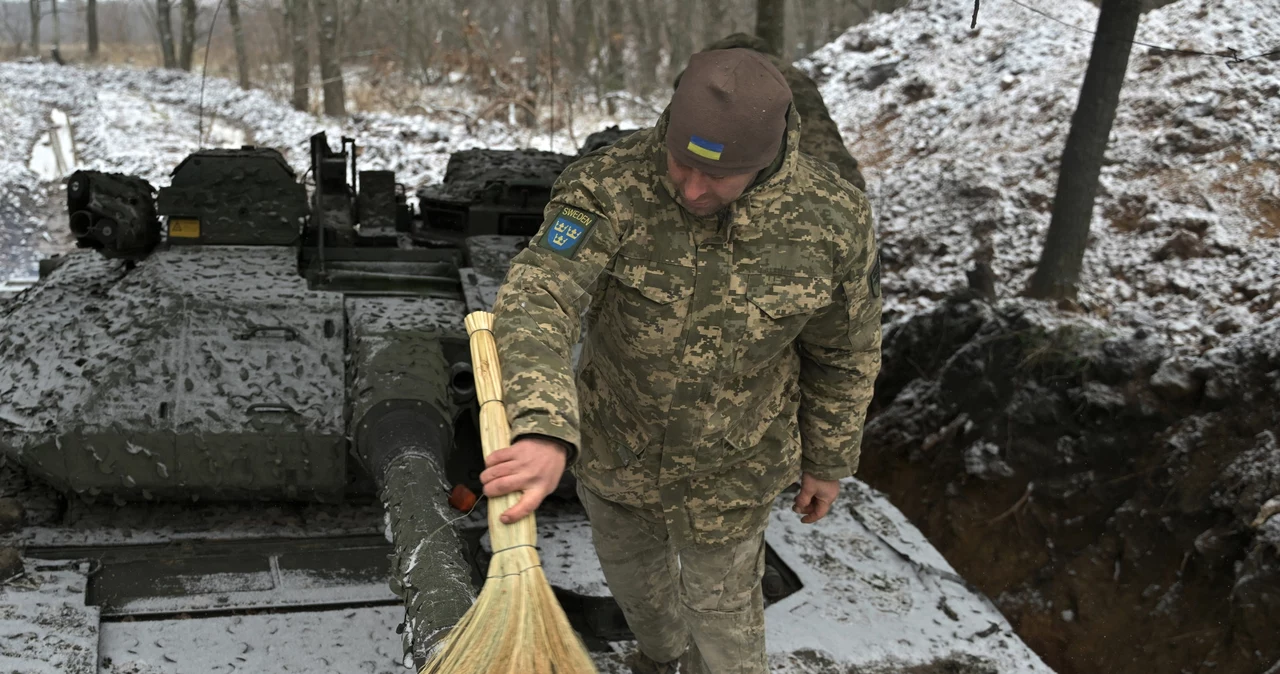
[702, 604]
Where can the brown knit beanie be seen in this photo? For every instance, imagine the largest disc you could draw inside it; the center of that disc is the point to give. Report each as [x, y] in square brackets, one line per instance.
[729, 113]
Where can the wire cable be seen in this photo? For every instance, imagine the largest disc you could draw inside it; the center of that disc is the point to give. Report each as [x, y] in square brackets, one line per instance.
[1228, 53]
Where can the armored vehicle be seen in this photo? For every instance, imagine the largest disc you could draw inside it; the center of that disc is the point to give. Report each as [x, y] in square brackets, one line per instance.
[234, 420]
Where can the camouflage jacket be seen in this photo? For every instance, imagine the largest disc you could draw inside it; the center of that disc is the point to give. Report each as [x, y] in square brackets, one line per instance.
[722, 354]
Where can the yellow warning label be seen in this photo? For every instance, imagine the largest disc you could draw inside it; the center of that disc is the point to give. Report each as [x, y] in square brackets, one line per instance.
[187, 228]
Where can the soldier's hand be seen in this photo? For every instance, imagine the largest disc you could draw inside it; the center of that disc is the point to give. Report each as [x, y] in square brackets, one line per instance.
[531, 465]
[815, 498]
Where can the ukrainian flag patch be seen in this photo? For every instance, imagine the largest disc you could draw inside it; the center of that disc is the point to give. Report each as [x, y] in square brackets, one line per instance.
[705, 148]
[568, 230]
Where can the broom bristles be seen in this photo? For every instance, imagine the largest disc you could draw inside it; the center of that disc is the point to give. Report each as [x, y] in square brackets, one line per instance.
[516, 625]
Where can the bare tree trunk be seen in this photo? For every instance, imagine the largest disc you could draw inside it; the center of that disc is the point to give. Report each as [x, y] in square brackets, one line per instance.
[529, 35]
[713, 28]
[419, 47]
[34, 7]
[1058, 274]
[91, 27]
[298, 16]
[839, 18]
[652, 50]
[57, 33]
[645, 18]
[863, 9]
[678, 38]
[463, 16]
[550, 42]
[809, 23]
[615, 73]
[553, 27]
[237, 31]
[771, 18]
[408, 35]
[330, 66]
[584, 35]
[188, 34]
[527, 82]
[164, 26]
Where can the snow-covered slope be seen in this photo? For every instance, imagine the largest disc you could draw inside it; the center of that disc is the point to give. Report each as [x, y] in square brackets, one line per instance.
[962, 132]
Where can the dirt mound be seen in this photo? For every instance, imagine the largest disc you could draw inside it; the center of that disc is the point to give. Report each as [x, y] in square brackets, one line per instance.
[1114, 498]
[1107, 477]
[962, 130]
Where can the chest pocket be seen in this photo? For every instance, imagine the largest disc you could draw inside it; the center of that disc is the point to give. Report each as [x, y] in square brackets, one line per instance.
[778, 306]
[646, 305]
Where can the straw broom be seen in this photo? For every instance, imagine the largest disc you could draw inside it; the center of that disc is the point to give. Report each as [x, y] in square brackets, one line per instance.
[516, 625]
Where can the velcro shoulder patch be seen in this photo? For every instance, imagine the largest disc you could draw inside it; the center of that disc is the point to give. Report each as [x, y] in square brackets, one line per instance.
[568, 230]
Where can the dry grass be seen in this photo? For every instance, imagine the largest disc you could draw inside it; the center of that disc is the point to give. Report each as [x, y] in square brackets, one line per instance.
[1246, 186]
[874, 144]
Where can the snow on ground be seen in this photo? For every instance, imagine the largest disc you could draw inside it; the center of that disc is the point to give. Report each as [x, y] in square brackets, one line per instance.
[961, 132]
[143, 122]
[343, 641]
[45, 625]
[874, 597]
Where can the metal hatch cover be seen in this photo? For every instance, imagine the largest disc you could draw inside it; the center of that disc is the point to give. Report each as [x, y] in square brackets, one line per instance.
[192, 577]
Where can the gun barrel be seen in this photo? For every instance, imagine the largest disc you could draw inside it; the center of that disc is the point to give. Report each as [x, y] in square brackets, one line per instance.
[429, 568]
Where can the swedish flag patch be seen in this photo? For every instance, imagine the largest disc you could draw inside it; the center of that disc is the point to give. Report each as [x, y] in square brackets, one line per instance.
[565, 233]
[705, 148]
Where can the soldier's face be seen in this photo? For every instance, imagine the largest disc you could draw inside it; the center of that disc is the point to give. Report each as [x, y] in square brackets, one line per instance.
[702, 194]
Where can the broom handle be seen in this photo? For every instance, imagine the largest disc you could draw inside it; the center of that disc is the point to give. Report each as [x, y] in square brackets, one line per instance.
[495, 431]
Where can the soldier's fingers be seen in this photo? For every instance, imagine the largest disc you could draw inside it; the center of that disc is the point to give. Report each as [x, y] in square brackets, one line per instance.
[506, 485]
[820, 510]
[528, 503]
[501, 456]
[804, 499]
[499, 470]
[817, 512]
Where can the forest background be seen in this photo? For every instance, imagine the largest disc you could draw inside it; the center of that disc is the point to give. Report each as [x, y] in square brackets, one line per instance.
[386, 51]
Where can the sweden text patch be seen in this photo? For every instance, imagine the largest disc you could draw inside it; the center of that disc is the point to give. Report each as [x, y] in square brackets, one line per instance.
[568, 230]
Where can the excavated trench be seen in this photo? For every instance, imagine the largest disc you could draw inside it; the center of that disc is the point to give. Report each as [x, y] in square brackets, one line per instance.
[1114, 501]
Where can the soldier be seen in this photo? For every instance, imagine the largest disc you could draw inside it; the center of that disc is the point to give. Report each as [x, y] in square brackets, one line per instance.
[733, 337]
